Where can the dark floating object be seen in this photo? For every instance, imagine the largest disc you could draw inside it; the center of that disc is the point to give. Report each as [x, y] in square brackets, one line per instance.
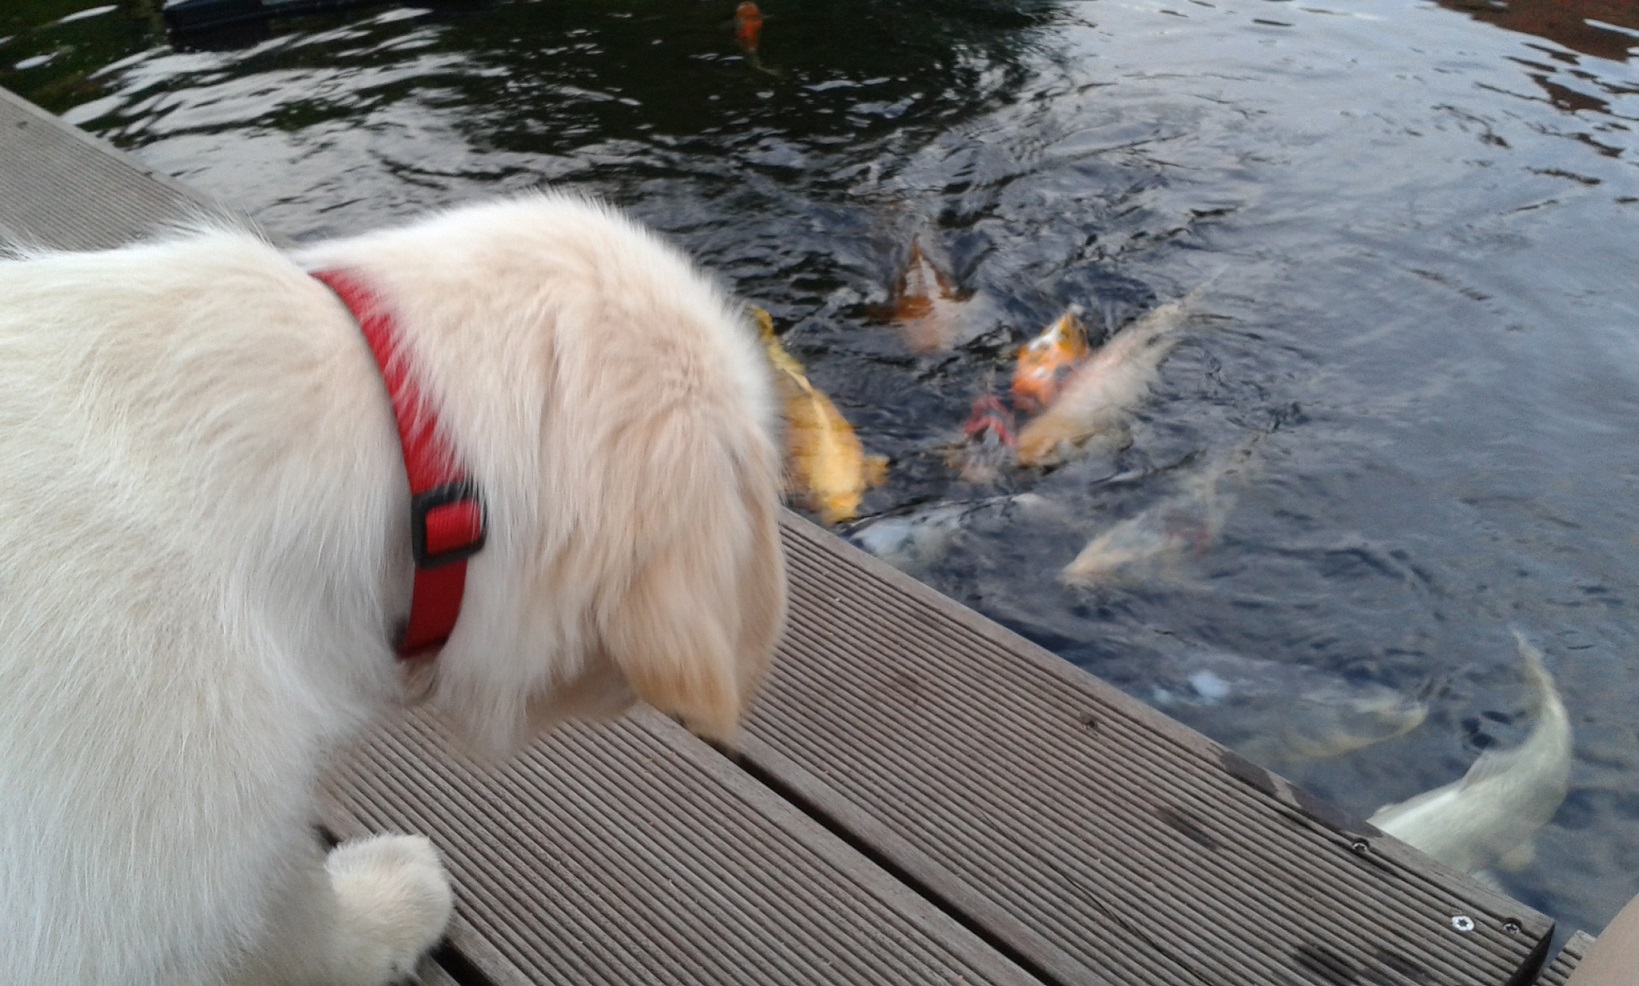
[186, 15]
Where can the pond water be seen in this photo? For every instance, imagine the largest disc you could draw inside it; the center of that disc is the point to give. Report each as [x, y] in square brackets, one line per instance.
[1419, 349]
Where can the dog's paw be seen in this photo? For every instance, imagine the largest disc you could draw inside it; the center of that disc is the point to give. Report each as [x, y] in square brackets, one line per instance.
[394, 901]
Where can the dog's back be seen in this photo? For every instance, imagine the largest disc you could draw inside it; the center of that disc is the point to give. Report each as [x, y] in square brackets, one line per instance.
[136, 692]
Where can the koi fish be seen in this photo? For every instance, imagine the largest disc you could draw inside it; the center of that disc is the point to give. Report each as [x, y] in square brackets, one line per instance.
[1180, 526]
[1303, 714]
[927, 303]
[748, 30]
[826, 465]
[1336, 723]
[1047, 359]
[988, 441]
[1099, 394]
[748, 25]
[1489, 816]
[916, 542]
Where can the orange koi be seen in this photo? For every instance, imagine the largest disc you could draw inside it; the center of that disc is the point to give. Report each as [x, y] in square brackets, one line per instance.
[1046, 360]
[748, 25]
[990, 421]
[826, 464]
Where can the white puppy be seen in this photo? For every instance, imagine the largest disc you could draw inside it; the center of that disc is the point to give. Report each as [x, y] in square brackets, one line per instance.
[204, 551]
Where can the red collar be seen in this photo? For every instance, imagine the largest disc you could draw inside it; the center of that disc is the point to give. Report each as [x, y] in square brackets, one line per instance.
[446, 509]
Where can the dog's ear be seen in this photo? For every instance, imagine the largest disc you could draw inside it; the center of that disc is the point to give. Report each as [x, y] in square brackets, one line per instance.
[697, 627]
[674, 651]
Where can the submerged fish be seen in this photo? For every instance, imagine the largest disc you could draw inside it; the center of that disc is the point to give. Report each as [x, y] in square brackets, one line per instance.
[988, 441]
[1335, 724]
[1100, 392]
[927, 303]
[748, 30]
[1046, 360]
[1183, 525]
[748, 25]
[915, 542]
[826, 466]
[1295, 714]
[1489, 816]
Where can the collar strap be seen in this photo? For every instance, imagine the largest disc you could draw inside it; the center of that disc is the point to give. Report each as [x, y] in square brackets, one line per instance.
[446, 509]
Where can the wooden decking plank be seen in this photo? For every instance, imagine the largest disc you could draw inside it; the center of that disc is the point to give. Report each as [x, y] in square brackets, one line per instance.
[1570, 956]
[631, 852]
[1081, 829]
[62, 188]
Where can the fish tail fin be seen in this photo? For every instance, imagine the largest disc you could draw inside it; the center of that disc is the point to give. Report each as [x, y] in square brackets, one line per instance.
[1162, 328]
[1193, 297]
[1536, 671]
[1552, 731]
[1142, 345]
[876, 470]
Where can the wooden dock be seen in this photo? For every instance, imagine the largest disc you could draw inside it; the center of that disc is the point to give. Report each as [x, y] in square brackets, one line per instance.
[920, 797]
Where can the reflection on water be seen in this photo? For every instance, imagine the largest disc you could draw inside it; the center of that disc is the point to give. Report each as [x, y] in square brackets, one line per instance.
[1425, 316]
[1601, 28]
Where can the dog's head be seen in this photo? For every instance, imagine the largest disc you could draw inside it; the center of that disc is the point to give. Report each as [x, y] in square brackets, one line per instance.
[664, 583]
[618, 413]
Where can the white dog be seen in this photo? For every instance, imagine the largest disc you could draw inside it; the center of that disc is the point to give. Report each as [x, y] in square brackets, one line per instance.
[205, 553]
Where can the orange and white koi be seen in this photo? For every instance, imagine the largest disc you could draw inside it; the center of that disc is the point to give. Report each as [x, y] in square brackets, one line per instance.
[927, 303]
[1045, 361]
[1099, 394]
[826, 465]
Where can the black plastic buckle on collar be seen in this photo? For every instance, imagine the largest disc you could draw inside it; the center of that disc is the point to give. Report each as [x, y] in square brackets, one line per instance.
[460, 491]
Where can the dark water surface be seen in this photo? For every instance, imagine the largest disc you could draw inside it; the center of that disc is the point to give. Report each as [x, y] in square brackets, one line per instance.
[1425, 347]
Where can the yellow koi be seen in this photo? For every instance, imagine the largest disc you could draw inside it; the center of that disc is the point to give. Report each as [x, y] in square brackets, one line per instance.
[826, 464]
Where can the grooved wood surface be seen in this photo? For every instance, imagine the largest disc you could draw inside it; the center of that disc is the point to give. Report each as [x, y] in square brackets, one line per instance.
[632, 852]
[1051, 821]
[1082, 828]
[1570, 956]
[62, 188]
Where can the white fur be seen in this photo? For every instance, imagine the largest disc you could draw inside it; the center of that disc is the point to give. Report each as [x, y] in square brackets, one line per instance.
[204, 549]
